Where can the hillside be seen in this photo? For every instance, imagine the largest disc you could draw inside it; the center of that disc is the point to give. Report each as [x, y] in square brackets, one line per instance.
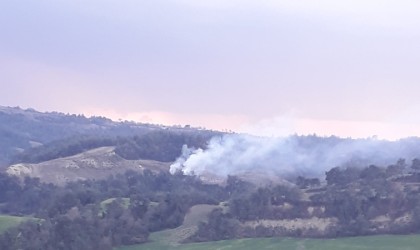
[22, 130]
[98, 184]
[98, 163]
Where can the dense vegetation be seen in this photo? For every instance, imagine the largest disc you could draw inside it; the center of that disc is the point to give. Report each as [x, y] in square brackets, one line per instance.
[125, 209]
[362, 201]
[159, 145]
[46, 136]
[71, 217]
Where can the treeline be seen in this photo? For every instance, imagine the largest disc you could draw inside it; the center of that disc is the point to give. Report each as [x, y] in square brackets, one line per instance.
[22, 130]
[359, 196]
[62, 148]
[248, 203]
[75, 216]
[125, 209]
[357, 201]
[159, 145]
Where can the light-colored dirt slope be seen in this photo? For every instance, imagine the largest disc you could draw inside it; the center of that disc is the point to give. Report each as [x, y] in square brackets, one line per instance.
[93, 164]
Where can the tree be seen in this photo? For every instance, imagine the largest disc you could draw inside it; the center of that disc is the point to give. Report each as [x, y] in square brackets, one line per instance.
[415, 165]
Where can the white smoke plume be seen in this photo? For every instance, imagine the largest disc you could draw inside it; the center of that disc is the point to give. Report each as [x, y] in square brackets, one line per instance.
[290, 156]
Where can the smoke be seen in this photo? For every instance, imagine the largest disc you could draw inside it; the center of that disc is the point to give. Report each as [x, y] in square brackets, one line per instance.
[291, 156]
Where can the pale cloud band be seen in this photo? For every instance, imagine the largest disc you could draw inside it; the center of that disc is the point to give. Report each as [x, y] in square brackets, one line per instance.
[340, 67]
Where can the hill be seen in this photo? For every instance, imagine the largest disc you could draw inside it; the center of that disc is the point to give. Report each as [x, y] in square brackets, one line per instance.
[22, 130]
[99, 184]
[98, 163]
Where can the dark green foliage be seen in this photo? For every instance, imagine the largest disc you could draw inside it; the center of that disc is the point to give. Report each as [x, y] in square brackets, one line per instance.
[62, 148]
[355, 197]
[339, 176]
[303, 182]
[71, 217]
[9, 187]
[372, 172]
[415, 164]
[218, 227]
[46, 136]
[160, 145]
[237, 187]
[263, 203]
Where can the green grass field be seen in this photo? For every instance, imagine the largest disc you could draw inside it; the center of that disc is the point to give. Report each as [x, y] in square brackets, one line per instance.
[7, 221]
[125, 202]
[104, 204]
[386, 242]
[167, 239]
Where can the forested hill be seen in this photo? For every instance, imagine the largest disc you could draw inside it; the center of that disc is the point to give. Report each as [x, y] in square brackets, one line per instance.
[91, 183]
[32, 136]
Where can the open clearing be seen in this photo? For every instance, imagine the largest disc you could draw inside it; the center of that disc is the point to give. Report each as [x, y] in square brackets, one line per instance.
[94, 164]
[384, 242]
[105, 203]
[7, 222]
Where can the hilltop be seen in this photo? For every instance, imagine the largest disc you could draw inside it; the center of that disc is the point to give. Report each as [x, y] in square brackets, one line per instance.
[26, 129]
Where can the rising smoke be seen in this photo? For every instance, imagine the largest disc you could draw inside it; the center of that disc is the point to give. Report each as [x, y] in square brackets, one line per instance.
[290, 156]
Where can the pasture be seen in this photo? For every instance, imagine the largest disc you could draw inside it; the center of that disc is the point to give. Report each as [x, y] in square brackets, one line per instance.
[384, 242]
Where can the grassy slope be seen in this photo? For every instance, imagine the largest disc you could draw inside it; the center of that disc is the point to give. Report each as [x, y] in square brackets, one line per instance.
[7, 221]
[172, 237]
[105, 203]
[406, 242]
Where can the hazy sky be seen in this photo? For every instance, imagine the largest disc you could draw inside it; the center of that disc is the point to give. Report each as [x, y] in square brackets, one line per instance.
[332, 67]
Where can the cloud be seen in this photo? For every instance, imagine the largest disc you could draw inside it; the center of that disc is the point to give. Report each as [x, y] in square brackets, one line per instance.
[214, 4]
[379, 13]
[209, 121]
[273, 127]
[285, 125]
[218, 62]
[37, 85]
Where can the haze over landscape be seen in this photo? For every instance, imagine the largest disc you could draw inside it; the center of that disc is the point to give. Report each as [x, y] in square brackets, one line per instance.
[209, 124]
[347, 68]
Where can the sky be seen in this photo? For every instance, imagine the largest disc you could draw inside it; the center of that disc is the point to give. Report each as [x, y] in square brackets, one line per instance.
[266, 67]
